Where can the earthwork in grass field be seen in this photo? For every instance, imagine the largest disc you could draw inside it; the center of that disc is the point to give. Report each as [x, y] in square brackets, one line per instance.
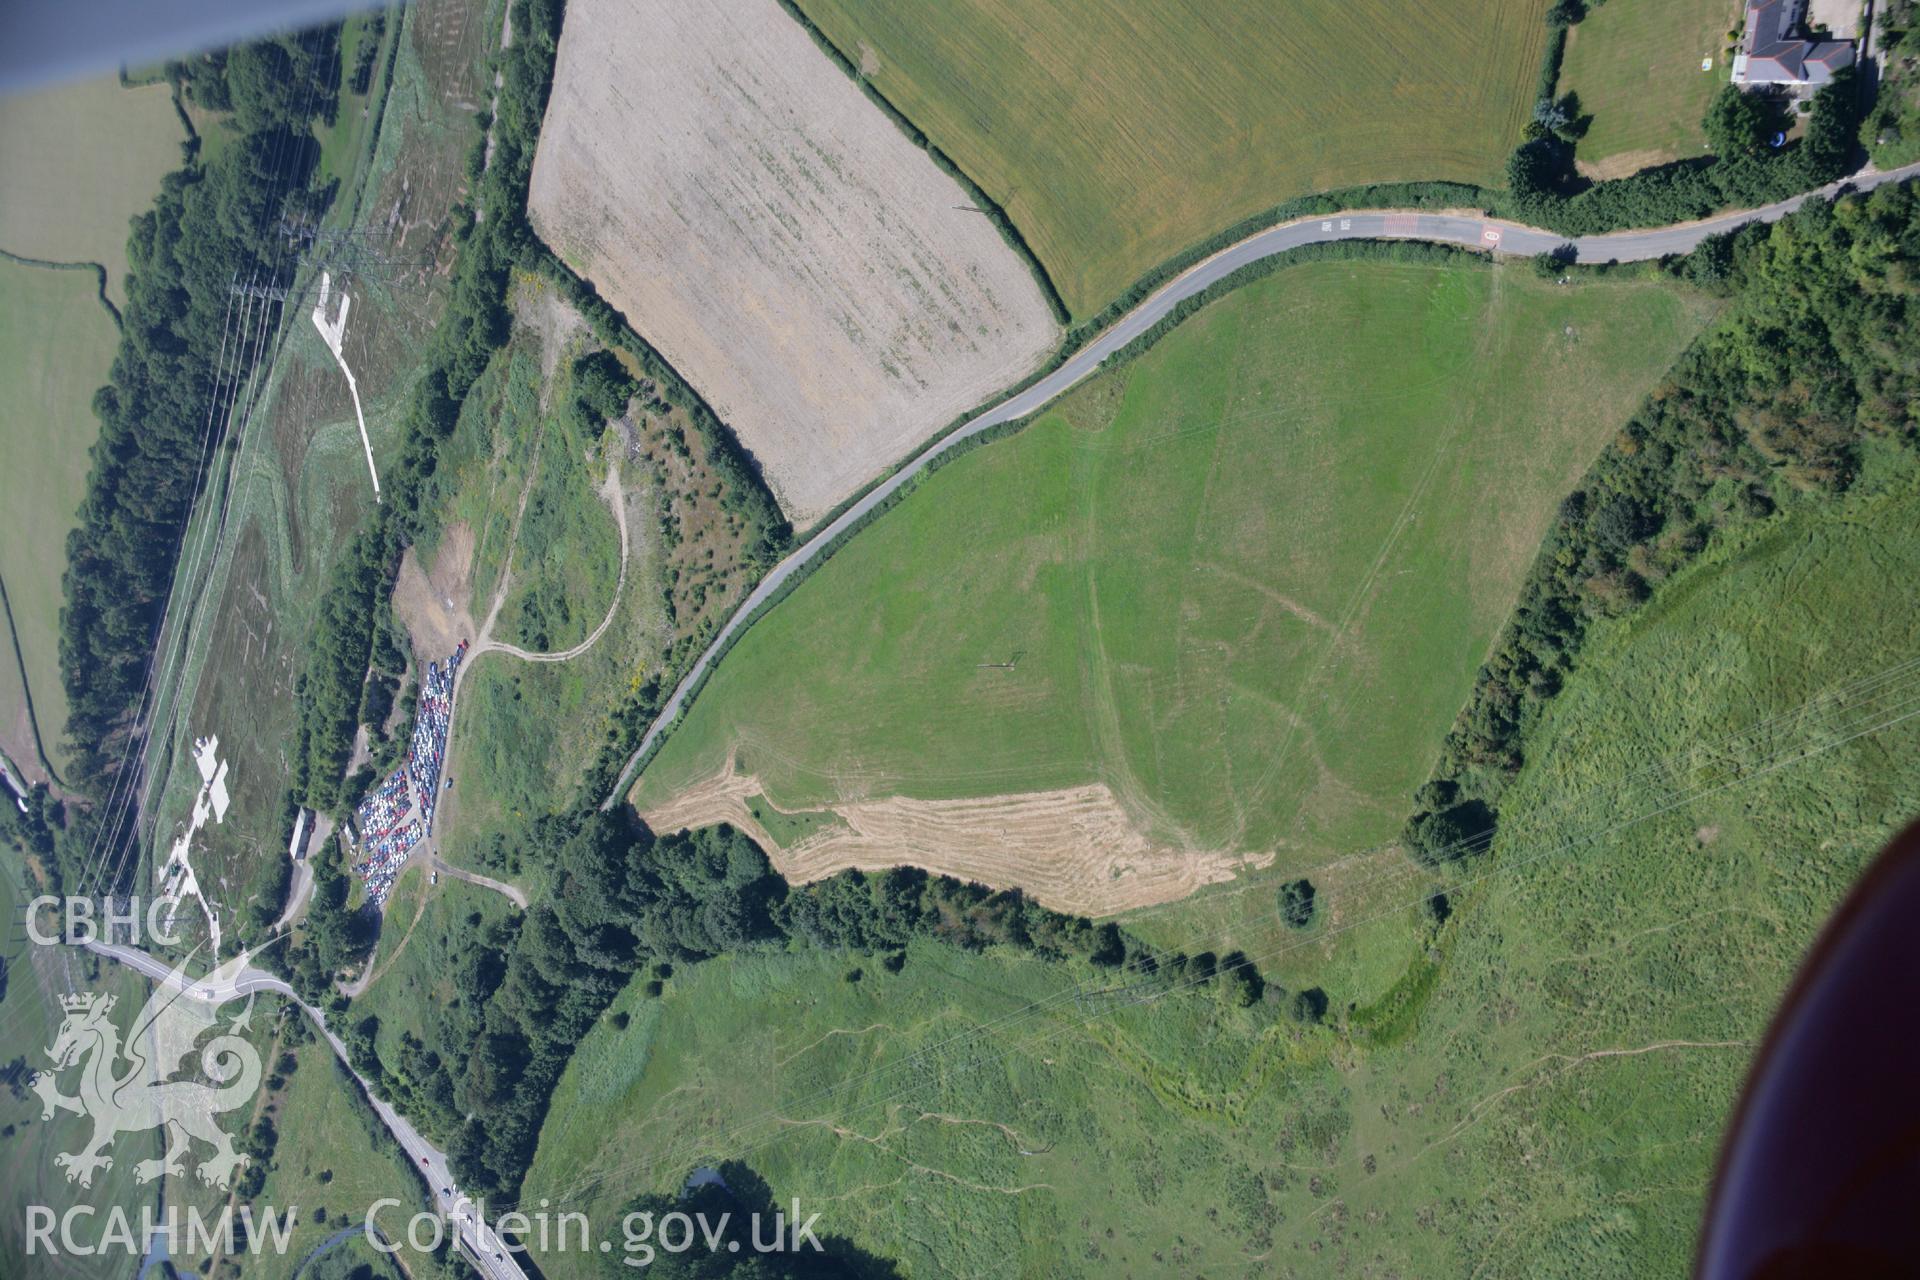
[807, 268]
[1636, 65]
[1240, 585]
[1115, 136]
[1537, 1087]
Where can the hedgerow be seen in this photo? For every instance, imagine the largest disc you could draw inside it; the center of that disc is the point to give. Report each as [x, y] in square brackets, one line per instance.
[1817, 358]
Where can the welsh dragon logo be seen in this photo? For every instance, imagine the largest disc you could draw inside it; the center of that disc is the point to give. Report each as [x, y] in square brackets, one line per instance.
[127, 1087]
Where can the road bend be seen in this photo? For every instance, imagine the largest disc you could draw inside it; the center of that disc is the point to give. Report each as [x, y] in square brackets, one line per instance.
[488, 1253]
[1491, 234]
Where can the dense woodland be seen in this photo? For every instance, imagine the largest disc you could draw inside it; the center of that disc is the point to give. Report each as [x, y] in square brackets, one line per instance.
[1892, 129]
[1816, 362]
[214, 223]
[622, 902]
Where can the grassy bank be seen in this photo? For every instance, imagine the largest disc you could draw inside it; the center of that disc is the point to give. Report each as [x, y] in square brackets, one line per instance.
[1243, 596]
[56, 343]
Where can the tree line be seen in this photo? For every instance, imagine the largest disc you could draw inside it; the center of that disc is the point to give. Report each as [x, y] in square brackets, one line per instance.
[347, 638]
[1745, 168]
[623, 902]
[744, 490]
[213, 222]
[1815, 362]
[1744, 171]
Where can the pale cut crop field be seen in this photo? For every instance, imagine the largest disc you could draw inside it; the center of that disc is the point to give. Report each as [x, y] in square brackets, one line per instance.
[804, 265]
[1117, 134]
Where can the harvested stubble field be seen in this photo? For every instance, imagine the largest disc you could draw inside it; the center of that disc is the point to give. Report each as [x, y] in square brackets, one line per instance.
[1116, 135]
[1237, 594]
[805, 266]
[1075, 849]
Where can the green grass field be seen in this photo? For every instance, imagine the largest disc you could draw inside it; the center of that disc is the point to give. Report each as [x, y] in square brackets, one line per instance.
[566, 552]
[412, 980]
[1540, 1090]
[1245, 580]
[329, 1162]
[1117, 136]
[56, 343]
[81, 161]
[1636, 66]
[35, 978]
[405, 906]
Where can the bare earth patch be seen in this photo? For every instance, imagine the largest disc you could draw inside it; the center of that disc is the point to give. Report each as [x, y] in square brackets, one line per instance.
[1623, 165]
[538, 306]
[1074, 850]
[802, 263]
[437, 607]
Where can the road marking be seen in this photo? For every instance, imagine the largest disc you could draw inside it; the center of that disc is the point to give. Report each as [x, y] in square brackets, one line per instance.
[1491, 235]
[1346, 224]
[1327, 225]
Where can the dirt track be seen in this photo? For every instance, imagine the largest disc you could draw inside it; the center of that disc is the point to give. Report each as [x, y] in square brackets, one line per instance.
[1074, 850]
[805, 266]
[437, 610]
[615, 497]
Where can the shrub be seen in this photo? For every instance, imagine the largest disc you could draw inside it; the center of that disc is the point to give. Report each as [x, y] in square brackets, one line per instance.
[1450, 834]
[1297, 905]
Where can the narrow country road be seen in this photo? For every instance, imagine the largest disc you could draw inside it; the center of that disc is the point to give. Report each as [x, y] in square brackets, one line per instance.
[1376, 224]
[488, 1253]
